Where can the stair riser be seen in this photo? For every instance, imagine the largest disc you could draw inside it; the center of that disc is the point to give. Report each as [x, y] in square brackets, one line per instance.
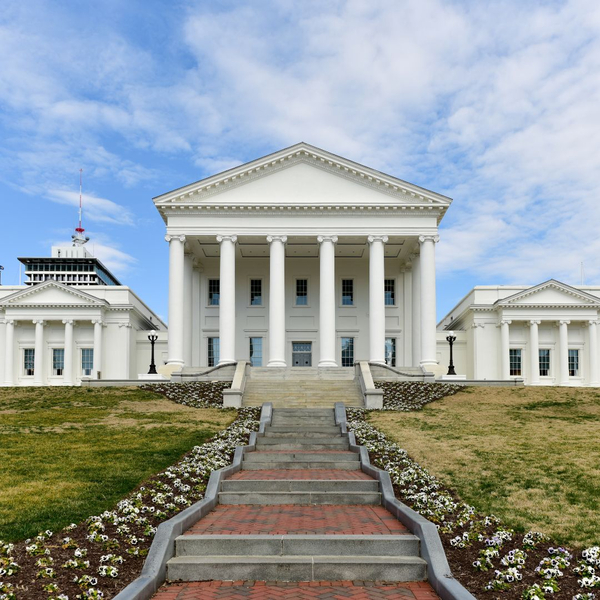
[269, 433]
[245, 485]
[302, 570]
[301, 498]
[216, 545]
[301, 439]
[277, 466]
[291, 457]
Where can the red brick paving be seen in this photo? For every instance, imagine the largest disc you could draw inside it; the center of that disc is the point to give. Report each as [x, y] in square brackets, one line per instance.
[310, 474]
[244, 519]
[319, 590]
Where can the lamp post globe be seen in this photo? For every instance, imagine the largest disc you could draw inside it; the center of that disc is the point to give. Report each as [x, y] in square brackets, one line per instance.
[152, 337]
[451, 338]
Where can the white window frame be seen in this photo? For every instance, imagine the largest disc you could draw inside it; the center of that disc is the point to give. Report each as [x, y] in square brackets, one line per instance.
[520, 349]
[307, 279]
[262, 292]
[23, 369]
[341, 296]
[81, 369]
[52, 349]
[550, 358]
[395, 280]
[208, 304]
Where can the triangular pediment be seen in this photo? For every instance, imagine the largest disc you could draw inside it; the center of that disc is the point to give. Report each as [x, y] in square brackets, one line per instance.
[302, 175]
[51, 293]
[550, 293]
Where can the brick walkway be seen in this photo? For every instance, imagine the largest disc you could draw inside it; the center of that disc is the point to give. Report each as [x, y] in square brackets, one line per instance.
[244, 519]
[312, 474]
[319, 590]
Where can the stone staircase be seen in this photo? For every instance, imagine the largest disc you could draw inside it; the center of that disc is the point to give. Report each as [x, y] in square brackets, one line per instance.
[302, 387]
[299, 510]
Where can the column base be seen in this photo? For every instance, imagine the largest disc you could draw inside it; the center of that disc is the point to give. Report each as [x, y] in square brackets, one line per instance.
[277, 363]
[327, 363]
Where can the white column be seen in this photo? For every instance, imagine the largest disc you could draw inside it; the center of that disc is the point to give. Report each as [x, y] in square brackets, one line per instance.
[416, 310]
[428, 312]
[68, 366]
[593, 353]
[97, 366]
[9, 364]
[505, 349]
[377, 298]
[534, 353]
[176, 308]
[327, 354]
[196, 315]
[125, 335]
[407, 327]
[38, 365]
[276, 300]
[188, 267]
[227, 299]
[563, 345]
[475, 328]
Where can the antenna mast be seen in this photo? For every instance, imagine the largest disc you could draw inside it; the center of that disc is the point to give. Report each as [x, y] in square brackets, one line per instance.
[79, 239]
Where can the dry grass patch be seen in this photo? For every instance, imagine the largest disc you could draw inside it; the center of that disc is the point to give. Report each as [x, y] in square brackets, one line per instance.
[71, 452]
[529, 455]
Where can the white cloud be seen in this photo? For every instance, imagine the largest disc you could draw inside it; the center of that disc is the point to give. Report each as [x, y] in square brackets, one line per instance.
[95, 209]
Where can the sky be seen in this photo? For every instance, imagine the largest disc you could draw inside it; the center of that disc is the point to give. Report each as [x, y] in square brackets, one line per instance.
[495, 104]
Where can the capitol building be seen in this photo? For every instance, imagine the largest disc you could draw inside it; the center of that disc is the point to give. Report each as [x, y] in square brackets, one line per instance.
[297, 259]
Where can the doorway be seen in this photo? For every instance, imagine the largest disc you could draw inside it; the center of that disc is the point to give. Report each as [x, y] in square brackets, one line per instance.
[302, 354]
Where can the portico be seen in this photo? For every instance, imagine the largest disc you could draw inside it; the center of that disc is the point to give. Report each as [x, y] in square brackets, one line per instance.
[302, 246]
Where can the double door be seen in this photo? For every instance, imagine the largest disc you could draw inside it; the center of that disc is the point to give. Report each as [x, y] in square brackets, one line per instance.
[302, 354]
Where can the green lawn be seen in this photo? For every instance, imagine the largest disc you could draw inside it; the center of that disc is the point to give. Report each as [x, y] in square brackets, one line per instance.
[68, 453]
[529, 455]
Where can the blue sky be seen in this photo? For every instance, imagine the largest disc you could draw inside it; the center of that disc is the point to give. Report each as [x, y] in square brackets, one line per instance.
[495, 104]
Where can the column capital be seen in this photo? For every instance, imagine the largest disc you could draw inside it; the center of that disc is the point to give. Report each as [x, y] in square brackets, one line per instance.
[98, 322]
[593, 322]
[327, 238]
[504, 322]
[534, 322]
[67, 321]
[477, 325]
[10, 321]
[227, 238]
[564, 322]
[169, 237]
[429, 238]
[277, 238]
[377, 238]
[128, 325]
[39, 322]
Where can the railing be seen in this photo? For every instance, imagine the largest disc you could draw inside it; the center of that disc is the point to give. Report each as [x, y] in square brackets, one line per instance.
[373, 398]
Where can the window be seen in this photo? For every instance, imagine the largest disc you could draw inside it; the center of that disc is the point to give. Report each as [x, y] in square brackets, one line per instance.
[58, 361]
[390, 352]
[390, 292]
[256, 351]
[214, 292]
[573, 363]
[347, 292]
[515, 361]
[347, 352]
[213, 351]
[544, 362]
[301, 292]
[29, 361]
[256, 292]
[87, 361]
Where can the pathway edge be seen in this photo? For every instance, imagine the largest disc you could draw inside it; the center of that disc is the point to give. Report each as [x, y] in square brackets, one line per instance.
[154, 572]
[439, 574]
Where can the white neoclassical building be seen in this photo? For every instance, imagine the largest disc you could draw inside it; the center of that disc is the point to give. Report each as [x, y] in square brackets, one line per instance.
[545, 334]
[73, 321]
[302, 258]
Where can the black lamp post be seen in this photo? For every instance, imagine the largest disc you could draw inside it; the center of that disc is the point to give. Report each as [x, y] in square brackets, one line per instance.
[451, 339]
[152, 337]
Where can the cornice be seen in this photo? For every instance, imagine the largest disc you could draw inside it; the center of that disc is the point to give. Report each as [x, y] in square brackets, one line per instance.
[40, 287]
[551, 284]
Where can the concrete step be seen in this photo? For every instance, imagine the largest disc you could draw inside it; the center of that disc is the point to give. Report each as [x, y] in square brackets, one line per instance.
[300, 498]
[296, 568]
[304, 445]
[295, 433]
[297, 545]
[293, 421]
[300, 485]
[276, 430]
[291, 456]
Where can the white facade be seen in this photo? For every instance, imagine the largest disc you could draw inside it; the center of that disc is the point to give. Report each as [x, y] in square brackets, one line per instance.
[54, 334]
[342, 256]
[546, 334]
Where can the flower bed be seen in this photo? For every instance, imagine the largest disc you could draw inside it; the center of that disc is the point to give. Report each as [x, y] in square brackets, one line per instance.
[413, 395]
[197, 394]
[487, 558]
[99, 557]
